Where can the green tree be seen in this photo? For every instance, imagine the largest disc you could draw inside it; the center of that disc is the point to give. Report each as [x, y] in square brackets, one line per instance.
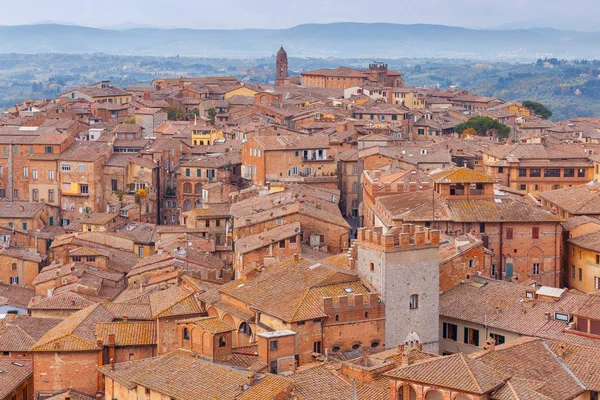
[538, 108]
[212, 115]
[484, 126]
[172, 113]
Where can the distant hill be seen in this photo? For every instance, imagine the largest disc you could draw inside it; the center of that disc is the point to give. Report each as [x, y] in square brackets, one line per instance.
[309, 40]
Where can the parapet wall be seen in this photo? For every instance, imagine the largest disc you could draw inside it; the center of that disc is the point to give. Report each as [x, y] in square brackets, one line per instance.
[409, 238]
[343, 303]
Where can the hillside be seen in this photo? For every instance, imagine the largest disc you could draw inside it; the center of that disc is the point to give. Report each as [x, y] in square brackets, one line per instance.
[375, 40]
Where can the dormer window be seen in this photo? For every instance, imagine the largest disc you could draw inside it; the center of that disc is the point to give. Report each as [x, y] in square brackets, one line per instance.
[561, 317]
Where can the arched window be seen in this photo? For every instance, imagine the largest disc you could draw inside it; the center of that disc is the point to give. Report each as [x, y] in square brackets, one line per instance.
[187, 205]
[407, 392]
[198, 188]
[245, 329]
[433, 395]
[222, 341]
[186, 334]
[198, 204]
[187, 188]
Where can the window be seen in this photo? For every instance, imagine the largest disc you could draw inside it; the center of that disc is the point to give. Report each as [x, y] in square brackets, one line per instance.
[450, 331]
[597, 258]
[580, 274]
[413, 301]
[2, 193]
[51, 174]
[597, 283]
[282, 244]
[51, 221]
[187, 172]
[493, 270]
[222, 342]
[535, 173]
[114, 185]
[471, 263]
[535, 232]
[523, 187]
[500, 170]
[561, 317]
[536, 268]
[279, 221]
[76, 258]
[35, 194]
[14, 266]
[317, 347]
[186, 334]
[141, 251]
[14, 280]
[84, 189]
[51, 196]
[498, 339]
[25, 172]
[482, 227]
[581, 173]
[80, 167]
[24, 226]
[65, 167]
[90, 258]
[372, 267]
[509, 233]
[273, 345]
[34, 173]
[471, 336]
[355, 187]
[522, 172]
[572, 271]
[49, 149]
[569, 172]
[551, 173]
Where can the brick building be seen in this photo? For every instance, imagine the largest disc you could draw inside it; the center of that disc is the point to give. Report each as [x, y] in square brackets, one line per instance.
[343, 77]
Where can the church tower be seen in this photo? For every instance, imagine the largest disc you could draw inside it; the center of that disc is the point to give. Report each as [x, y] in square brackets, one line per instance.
[281, 67]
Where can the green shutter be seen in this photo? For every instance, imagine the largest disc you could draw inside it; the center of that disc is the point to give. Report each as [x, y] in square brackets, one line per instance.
[476, 337]
[187, 172]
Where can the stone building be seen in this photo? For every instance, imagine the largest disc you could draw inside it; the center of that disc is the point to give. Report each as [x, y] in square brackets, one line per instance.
[404, 268]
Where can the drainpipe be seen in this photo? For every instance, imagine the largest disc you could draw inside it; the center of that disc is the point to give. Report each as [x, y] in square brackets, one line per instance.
[10, 173]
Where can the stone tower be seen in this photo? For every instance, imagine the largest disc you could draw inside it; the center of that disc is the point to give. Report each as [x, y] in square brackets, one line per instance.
[281, 67]
[404, 268]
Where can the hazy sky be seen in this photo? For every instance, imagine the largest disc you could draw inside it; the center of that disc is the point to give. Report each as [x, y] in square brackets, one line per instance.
[573, 14]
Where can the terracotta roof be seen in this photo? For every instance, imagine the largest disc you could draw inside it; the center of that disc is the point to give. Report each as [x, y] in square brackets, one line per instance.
[177, 300]
[63, 301]
[576, 200]
[20, 332]
[176, 374]
[591, 241]
[212, 325]
[72, 395]
[20, 209]
[575, 222]
[297, 288]
[590, 308]
[325, 383]
[503, 305]
[460, 175]
[250, 243]
[457, 372]
[291, 142]
[130, 311]
[76, 332]
[13, 375]
[15, 295]
[532, 359]
[128, 333]
[22, 254]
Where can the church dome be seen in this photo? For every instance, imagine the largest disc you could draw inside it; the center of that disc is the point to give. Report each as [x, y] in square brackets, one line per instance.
[281, 53]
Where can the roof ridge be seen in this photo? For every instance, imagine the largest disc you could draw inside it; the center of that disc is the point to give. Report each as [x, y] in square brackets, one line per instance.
[464, 360]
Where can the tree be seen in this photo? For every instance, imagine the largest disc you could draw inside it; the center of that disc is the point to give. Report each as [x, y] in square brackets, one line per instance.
[172, 113]
[537, 109]
[484, 126]
[212, 115]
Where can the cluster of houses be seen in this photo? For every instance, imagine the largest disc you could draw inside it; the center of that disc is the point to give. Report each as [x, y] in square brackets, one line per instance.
[330, 237]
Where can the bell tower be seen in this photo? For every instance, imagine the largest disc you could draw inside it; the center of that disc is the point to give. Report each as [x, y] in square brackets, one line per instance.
[281, 67]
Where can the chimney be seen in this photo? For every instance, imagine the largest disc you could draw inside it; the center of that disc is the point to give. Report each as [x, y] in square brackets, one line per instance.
[420, 239]
[404, 241]
[562, 350]
[435, 237]
[547, 316]
[125, 318]
[250, 379]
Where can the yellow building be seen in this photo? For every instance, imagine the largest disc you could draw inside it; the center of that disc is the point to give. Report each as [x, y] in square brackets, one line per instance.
[240, 91]
[583, 262]
[101, 92]
[205, 135]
